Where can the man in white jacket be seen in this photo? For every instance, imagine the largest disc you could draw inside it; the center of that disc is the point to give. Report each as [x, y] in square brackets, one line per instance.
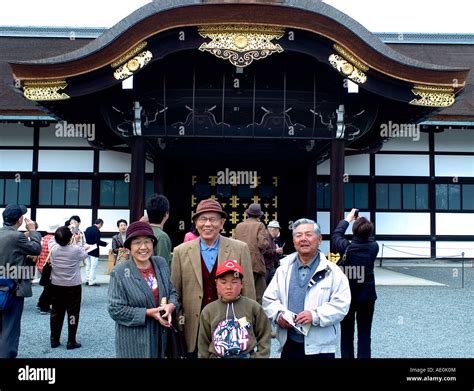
[307, 298]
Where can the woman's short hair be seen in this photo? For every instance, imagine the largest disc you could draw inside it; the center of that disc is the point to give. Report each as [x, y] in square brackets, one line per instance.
[362, 228]
[62, 236]
[121, 221]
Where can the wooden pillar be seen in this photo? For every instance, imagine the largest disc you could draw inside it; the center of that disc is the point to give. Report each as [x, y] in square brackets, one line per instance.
[158, 175]
[337, 182]
[34, 201]
[311, 180]
[137, 179]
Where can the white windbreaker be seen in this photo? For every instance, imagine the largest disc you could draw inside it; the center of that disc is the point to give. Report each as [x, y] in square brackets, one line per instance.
[328, 300]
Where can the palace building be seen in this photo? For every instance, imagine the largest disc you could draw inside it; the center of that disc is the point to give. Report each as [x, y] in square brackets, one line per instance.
[287, 103]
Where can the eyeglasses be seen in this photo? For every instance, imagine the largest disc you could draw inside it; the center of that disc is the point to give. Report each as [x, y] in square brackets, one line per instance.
[141, 242]
[212, 220]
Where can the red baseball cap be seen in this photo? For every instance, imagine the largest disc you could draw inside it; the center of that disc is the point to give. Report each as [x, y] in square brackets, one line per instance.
[229, 266]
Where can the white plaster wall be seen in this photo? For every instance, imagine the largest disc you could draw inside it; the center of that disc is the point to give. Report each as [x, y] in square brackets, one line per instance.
[402, 165]
[353, 165]
[454, 249]
[66, 161]
[111, 161]
[16, 135]
[48, 138]
[393, 223]
[454, 166]
[50, 216]
[460, 140]
[404, 249]
[454, 224]
[407, 144]
[16, 160]
[110, 217]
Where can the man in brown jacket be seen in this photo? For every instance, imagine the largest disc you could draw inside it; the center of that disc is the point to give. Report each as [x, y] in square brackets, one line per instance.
[254, 233]
[194, 265]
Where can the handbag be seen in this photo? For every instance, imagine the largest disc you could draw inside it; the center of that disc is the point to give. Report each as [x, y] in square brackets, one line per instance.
[7, 290]
[45, 279]
[176, 345]
[342, 261]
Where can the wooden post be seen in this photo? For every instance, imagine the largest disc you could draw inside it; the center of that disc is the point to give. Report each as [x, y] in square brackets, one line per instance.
[158, 175]
[337, 182]
[137, 179]
[311, 181]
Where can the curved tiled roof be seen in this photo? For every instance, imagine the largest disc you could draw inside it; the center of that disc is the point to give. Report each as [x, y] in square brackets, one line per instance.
[316, 7]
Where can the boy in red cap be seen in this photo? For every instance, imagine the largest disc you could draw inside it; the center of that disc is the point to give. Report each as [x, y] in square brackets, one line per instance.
[233, 326]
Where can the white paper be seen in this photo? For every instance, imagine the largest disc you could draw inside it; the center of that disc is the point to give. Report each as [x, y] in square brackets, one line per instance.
[92, 247]
[290, 316]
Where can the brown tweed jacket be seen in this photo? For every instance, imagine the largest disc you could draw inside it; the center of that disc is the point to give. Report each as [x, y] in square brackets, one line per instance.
[186, 276]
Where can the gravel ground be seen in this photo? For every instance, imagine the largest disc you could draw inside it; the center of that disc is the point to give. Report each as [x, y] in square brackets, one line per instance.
[409, 322]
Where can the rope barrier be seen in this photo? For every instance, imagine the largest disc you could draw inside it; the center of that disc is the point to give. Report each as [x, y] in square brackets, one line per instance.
[405, 252]
[422, 255]
[438, 248]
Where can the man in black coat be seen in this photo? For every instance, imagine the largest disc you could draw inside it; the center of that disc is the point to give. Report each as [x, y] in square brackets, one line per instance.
[93, 237]
[359, 268]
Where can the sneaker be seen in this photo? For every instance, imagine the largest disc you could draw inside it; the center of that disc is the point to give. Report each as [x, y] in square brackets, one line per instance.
[73, 345]
[94, 284]
[45, 312]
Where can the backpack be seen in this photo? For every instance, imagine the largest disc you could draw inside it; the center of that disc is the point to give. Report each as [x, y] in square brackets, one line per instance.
[7, 290]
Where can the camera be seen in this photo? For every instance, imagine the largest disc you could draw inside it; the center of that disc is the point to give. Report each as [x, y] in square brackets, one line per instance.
[356, 213]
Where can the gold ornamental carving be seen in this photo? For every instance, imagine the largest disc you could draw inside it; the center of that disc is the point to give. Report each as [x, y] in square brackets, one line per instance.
[433, 96]
[349, 70]
[133, 65]
[241, 44]
[45, 90]
[351, 57]
[131, 53]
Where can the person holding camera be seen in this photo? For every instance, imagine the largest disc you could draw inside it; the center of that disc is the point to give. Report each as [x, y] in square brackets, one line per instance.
[67, 254]
[14, 248]
[360, 254]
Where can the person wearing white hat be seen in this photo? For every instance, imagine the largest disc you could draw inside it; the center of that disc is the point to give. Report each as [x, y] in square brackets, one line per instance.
[274, 229]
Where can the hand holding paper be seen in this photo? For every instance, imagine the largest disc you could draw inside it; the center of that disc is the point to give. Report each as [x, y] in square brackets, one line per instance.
[301, 328]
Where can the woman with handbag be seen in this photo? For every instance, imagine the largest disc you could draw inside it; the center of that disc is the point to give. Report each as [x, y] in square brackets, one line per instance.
[43, 265]
[359, 258]
[66, 259]
[137, 287]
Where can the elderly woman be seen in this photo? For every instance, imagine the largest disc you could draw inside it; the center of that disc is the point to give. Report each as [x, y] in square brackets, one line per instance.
[66, 255]
[137, 290]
